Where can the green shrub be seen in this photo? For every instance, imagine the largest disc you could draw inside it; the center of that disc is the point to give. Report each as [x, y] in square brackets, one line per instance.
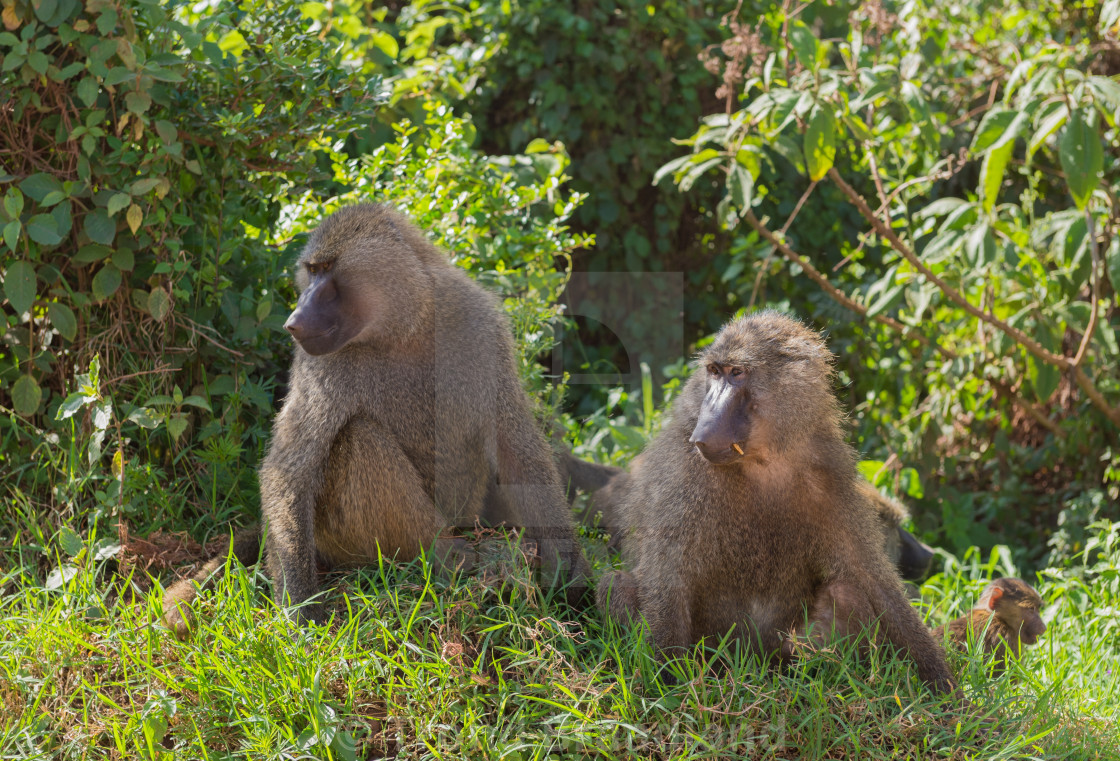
[161, 170]
[986, 273]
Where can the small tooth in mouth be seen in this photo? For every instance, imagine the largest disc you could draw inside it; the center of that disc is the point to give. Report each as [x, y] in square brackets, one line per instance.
[737, 448]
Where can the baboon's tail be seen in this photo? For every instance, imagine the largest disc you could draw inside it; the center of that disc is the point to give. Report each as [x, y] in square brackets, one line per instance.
[579, 474]
[246, 547]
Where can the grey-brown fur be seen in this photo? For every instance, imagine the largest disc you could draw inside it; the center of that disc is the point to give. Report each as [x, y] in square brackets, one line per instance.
[1005, 618]
[607, 485]
[406, 419]
[768, 537]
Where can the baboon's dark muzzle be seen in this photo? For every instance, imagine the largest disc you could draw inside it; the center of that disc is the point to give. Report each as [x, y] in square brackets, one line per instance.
[722, 428]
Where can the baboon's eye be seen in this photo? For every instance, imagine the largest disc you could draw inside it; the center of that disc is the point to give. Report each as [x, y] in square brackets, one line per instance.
[736, 372]
[713, 369]
[311, 268]
[325, 266]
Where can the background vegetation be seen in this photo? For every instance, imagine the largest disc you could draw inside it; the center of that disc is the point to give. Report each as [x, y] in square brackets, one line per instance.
[933, 184]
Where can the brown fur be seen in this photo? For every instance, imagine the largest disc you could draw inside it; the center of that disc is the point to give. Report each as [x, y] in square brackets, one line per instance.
[608, 484]
[406, 419]
[768, 538]
[1005, 618]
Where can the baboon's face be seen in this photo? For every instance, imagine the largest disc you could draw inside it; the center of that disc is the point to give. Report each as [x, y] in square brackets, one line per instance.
[1020, 606]
[1033, 627]
[723, 429]
[1015, 603]
[328, 315]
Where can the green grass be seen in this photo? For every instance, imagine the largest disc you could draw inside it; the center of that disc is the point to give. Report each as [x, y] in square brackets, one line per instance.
[419, 667]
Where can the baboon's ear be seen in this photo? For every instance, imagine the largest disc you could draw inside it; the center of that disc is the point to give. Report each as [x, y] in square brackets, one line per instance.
[990, 597]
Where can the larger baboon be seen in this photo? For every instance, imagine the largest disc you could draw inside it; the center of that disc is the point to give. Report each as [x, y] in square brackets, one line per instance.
[747, 511]
[405, 417]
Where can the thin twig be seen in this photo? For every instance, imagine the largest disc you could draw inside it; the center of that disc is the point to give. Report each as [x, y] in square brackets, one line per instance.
[119, 378]
[200, 330]
[878, 180]
[1094, 288]
[797, 208]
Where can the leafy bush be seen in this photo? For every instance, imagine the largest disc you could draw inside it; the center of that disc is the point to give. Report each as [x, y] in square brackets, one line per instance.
[162, 168]
[987, 271]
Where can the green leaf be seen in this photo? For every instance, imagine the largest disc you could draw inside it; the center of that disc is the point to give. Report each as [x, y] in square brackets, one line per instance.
[138, 101]
[159, 303]
[26, 395]
[1081, 156]
[38, 61]
[39, 185]
[72, 404]
[71, 543]
[992, 171]
[62, 317]
[52, 198]
[1044, 378]
[92, 252]
[100, 227]
[911, 483]
[87, 90]
[13, 203]
[176, 424]
[940, 207]
[144, 418]
[875, 471]
[44, 9]
[124, 259]
[140, 187]
[117, 202]
[43, 229]
[804, 44]
[11, 233]
[197, 401]
[107, 21]
[992, 127]
[1113, 262]
[945, 244]
[980, 245]
[887, 300]
[166, 130]
[671, 167]
[740, 186]
[1049, 125]
[538, 145]
[19, 286]
[385, 42]
[106, 282]
[820, 143]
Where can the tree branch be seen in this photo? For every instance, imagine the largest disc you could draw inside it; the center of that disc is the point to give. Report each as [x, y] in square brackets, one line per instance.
[907, 332]
[1021, 338]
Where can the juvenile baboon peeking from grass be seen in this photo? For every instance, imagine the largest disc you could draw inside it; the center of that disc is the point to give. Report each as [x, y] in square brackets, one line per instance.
[1005, 618]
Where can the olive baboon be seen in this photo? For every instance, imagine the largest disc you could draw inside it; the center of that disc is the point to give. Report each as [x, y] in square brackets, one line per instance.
[607, 485]
[1006, 617]
[747, 512]
[909, 554]
[405, 417]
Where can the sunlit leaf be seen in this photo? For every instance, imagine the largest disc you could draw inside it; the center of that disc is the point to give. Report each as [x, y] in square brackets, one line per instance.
[1081, 156]
[820, 143]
